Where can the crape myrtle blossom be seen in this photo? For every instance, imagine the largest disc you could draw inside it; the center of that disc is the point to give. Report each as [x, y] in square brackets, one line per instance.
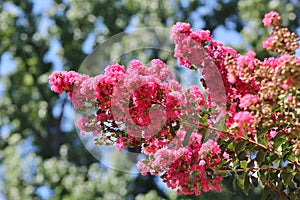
[269, 42]
[281, 41]
[62, 81]
[248, 100]
[271, 19]
[138, 98]
[190, 136]
[128, 97]
[178, 165]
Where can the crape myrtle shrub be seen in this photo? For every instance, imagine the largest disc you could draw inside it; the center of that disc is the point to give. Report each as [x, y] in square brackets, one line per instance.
[246, 129]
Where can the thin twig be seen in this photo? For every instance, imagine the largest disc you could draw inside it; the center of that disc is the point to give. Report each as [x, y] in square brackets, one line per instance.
[270, 185]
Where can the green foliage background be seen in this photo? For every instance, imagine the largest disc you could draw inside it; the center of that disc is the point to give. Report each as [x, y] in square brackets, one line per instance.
[38, 150]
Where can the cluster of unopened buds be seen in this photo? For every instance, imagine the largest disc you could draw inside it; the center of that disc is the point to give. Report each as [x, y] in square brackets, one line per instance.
[180, 129]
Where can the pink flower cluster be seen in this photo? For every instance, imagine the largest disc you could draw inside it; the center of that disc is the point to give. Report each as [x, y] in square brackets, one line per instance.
[146, 107]
[269, 42]
[281, 41]
[186, 168]
[244, 77]
[271, 19]
[190, 44]
[62, 81]
[181, 130]
[148, 102]
[250, 84]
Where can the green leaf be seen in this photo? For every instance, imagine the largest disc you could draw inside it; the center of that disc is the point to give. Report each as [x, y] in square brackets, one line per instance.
[290, 155]
[246, 185]
[213, 110]
[243, 164]
[267, 194]
[242, 155]
[192, 176]
[260, 157]
[297, 178]
[204, 119]
[172, 131]
[294, 195]
[240, 146]
[231, 145]
[225, 145]
[241, 181]
[279, 139]
[231, 184]
[263, 139]
[273, 157]
[186, 138]
[287, 177]
[203, 132]
[263, 176]
[221, 125]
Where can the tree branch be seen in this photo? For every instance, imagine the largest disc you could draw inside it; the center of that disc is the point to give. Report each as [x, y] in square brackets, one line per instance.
[283, 196]
[254, 169]
[252, 142]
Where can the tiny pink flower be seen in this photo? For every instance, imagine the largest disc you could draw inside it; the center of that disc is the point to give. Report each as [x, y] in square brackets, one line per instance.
[120, 143]
[180, 27]
[225, 155]
[270, 18]
[202, 162]
[243, 118]
[248, 100]
[269, 42]
[273, 133]
[144, 168]
[231, 77]
[286, 83]
[201, 35]
[272, 62]
[246, 60]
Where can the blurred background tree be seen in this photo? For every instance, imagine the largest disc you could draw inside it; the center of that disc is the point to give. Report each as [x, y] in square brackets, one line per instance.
[41, 154]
